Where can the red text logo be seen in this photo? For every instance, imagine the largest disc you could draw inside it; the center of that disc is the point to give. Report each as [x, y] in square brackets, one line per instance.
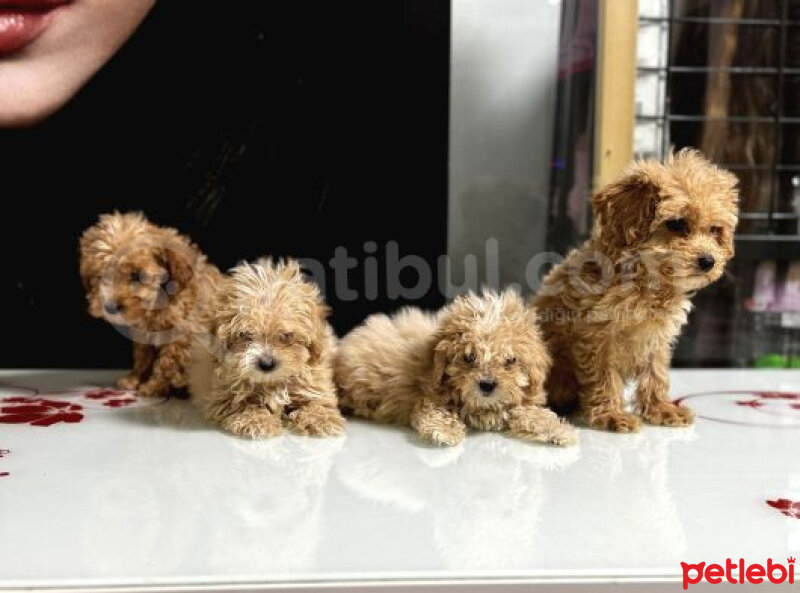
[738, 573]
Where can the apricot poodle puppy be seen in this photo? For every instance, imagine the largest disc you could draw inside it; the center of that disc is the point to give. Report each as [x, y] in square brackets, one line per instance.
[480, 363]
[613, 309]
[271, 364]
[156, 287]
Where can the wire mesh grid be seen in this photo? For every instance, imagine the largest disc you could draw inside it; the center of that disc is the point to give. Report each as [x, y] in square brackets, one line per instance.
[687, 94]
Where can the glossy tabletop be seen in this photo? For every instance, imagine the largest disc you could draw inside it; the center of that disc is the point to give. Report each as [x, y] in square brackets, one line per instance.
[100, 489]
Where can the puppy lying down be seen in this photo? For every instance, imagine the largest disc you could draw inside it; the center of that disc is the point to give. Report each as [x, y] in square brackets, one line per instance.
[480, 363]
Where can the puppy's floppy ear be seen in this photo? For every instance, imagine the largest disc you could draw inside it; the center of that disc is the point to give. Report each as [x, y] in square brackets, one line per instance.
[86, 277]
[437, 358]
[451, 322]
[535, 354]
[180, 260]
[86, 282]
[87, 256]
[321, 338]
[224, 311]
[625, 209]
[90, 259]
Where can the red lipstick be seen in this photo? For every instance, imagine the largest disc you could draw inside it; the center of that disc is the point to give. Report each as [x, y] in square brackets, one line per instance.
[22, 21]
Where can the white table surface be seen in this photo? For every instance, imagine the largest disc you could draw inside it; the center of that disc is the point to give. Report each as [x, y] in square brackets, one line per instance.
[144, 494]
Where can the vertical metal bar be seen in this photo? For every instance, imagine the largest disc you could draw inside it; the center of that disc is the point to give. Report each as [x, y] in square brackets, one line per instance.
[778, 132]
[667, 110]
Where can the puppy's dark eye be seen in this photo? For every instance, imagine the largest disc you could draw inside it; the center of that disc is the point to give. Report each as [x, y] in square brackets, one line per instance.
[716, 231]
[287, 337]
[678, 225]
[511, 360]
[469, 358]
[244, 337]
[136, 277]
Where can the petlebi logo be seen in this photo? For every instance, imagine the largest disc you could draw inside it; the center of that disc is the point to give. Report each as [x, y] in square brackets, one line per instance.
[738, 573]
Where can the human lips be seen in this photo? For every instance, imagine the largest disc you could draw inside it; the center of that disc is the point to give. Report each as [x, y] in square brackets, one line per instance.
[22, 21]
[32, 5]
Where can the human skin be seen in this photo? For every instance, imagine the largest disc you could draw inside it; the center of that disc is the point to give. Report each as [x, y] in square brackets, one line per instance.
[50, 48]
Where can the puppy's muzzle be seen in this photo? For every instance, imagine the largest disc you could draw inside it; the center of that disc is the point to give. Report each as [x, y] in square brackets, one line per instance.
[112, 307]
[706, 262]
[265, 364]
[487, 386]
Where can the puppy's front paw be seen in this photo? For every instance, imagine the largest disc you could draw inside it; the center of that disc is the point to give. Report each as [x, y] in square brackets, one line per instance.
[153, 389]
[615, 421]
[316, 421]
[129, 382]
[253, 424]
[443, 437]
[442, 431]
[542, 426]
[667, 414]
[563, 435]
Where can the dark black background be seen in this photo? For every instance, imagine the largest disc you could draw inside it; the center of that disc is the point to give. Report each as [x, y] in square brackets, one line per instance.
[282, 128]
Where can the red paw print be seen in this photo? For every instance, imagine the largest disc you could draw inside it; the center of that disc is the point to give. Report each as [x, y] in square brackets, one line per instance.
[764, 399]
[120, 402]
[104, 393]
[113, 398]
[750, 403]
[38, 411]
[788, 507]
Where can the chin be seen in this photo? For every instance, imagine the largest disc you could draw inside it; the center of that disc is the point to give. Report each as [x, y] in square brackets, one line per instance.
[694, 283]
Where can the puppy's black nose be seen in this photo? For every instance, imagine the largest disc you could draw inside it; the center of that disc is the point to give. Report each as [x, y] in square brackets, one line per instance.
[706, 262]
[487, 386]
[112, 308]
[266, 364]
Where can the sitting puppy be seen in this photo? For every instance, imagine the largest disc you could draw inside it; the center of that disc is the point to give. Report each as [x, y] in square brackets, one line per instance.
[613, 309]
[155, 286]
[272, 359]
[479, 363]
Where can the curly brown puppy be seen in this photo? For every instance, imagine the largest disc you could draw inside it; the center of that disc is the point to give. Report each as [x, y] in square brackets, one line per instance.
[153, 284]
[480, 363]
[612, 310]
[272, 363]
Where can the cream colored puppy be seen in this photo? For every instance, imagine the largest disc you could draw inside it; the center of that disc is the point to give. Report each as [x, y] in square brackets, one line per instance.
[480, 363]
[269, 363]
